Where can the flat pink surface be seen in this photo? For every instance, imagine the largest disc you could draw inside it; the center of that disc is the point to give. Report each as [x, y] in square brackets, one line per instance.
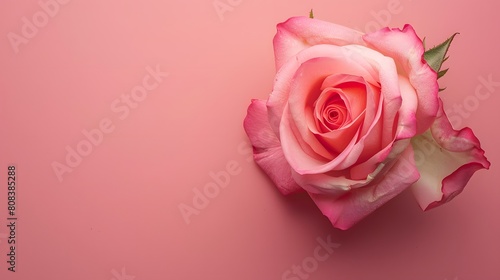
[115, 213]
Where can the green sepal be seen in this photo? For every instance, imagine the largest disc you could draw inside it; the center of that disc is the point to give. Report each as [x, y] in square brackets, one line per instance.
[311, 14]
[437, 55]
[442, 72]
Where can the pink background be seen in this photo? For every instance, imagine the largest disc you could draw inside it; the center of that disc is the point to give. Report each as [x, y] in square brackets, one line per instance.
[116, 215]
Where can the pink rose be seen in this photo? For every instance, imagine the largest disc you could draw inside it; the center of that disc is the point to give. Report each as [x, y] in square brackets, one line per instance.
[354, 119]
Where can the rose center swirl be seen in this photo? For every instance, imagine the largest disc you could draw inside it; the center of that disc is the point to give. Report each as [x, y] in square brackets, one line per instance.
[330, 110]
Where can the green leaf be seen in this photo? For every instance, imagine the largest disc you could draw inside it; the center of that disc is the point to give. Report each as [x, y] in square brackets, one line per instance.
[311, 14]
[437, 55]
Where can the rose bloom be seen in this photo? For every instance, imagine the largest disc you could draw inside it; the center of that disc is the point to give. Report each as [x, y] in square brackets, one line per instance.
[354, 119]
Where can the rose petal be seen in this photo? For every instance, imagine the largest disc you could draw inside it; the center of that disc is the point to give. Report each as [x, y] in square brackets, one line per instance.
[406, 48]
[385, 155]
[267, 149]
[368, 63]
[406, 129]
[361, 61]
[374, 104]
[446, 159]
[334, 184]
[299, 33]
[349, 209]
[388, 82]
[372, 130]
[407, 125]
[344, 60]
[304, 91]
[299, 154]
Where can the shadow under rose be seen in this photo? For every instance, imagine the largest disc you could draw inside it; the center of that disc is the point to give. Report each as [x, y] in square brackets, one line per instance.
[375, 243]
[379, 242]
[400, 217]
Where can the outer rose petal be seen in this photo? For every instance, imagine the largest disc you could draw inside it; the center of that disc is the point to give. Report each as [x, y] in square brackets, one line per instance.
[332, 184]
[298, 33]
[447, 159]
[406, 48]
[267, 149]
[349, 209]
